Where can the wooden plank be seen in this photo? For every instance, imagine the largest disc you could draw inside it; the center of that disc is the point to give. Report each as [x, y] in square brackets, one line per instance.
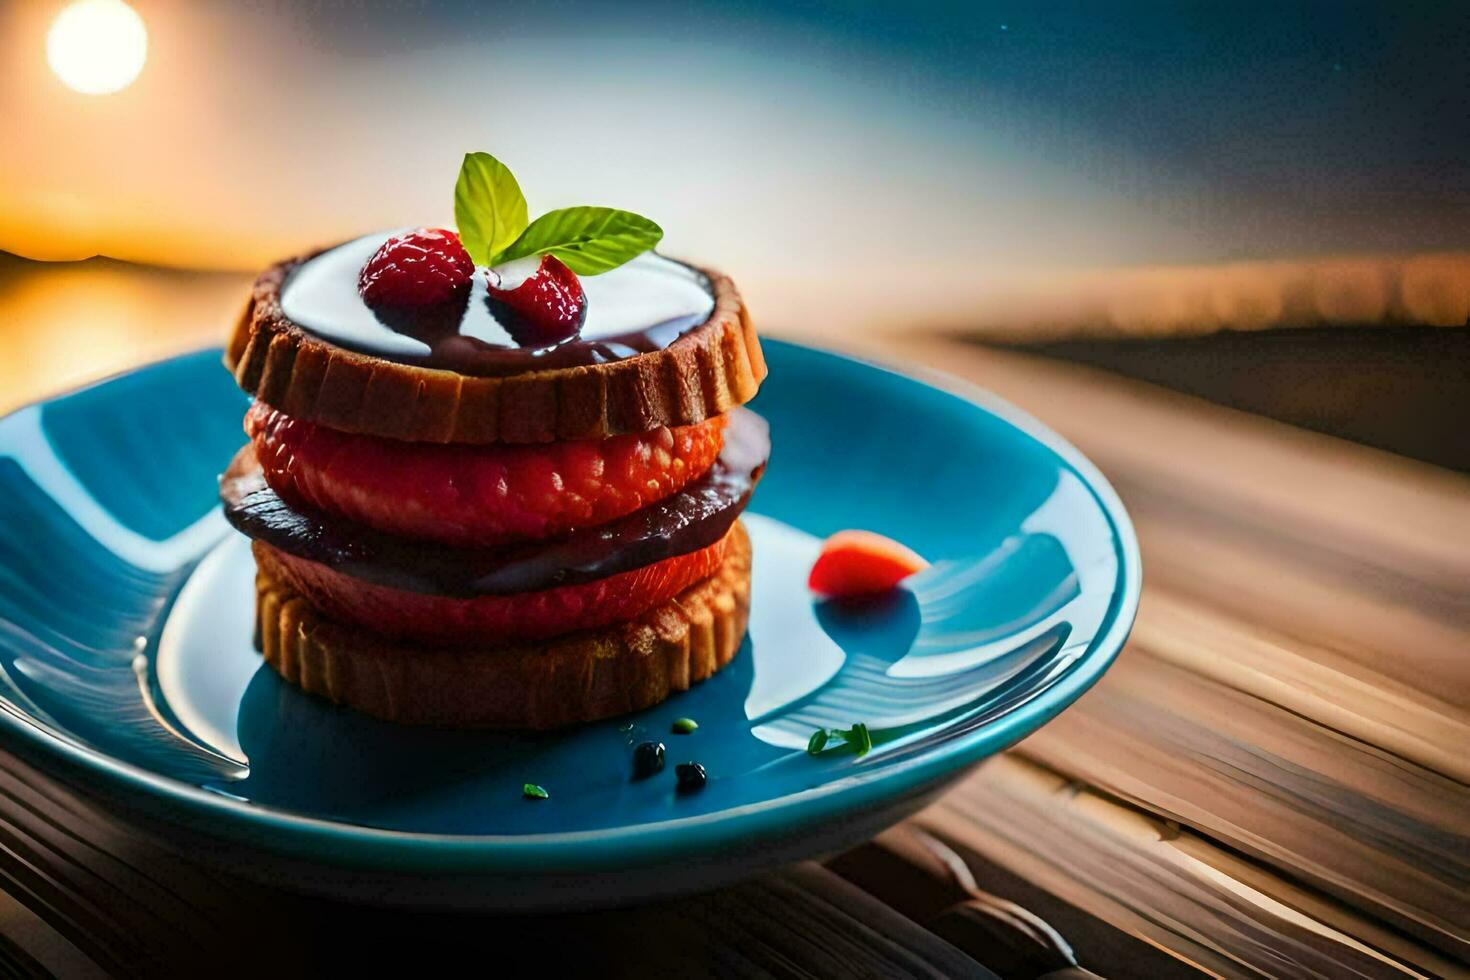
[918, 875]
[135, 907]
[33, 948]
[1373, 829]
[1110, 877]
[1307, 679]
[1346, 603]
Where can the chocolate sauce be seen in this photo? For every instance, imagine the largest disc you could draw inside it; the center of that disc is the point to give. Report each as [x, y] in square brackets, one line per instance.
[694, 518]
[639, 307]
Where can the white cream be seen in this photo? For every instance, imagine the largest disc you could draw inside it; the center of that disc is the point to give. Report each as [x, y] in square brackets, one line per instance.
[646, 293]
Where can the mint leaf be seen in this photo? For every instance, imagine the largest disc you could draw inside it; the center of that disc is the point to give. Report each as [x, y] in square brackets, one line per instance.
[589, 240]
[489, 207]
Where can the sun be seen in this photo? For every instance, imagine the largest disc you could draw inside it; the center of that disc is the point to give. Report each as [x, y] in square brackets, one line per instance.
[97, 47]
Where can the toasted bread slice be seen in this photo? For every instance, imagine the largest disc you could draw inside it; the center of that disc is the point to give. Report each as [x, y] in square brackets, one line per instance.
[712, 368]
[564, 681]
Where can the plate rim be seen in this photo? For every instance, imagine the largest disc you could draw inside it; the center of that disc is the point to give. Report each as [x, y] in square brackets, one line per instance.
[303, 836]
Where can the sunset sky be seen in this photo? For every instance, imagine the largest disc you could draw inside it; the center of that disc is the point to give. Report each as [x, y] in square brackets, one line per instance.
[764, 134]
[1022, 167]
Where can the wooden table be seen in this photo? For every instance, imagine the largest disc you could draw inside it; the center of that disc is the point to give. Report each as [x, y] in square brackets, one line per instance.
[1272, 780]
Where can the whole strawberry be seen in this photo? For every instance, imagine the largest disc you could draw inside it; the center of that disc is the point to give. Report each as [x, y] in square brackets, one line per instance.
[538, 300]
[423, 267]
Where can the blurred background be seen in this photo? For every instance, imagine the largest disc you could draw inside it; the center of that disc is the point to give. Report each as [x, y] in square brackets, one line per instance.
[1135, 185]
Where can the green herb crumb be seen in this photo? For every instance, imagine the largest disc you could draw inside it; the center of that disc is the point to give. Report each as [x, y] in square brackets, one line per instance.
[684, 726]
[858, 737]
[533, 792]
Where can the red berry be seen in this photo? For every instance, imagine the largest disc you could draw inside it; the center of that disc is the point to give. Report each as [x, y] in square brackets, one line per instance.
[419, 268]
[854, 563]
[539, 305]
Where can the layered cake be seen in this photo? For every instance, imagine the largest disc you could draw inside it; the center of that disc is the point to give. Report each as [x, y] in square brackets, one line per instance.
[494, 475]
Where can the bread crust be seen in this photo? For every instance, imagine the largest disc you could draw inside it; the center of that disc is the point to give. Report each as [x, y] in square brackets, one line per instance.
[712, 368]
[564, 681]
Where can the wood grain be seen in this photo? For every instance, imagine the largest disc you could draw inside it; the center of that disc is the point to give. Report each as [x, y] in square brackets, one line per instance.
[1294, 703]
[133, 907]
[922, 877]
[1084, 860]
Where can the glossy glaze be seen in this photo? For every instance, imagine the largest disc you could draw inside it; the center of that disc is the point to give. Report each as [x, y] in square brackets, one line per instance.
[641, 306]
[146, 687]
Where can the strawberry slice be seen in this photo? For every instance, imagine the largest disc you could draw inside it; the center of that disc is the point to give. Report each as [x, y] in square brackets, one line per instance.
[491, 619]
[854, 563]
[477, 496]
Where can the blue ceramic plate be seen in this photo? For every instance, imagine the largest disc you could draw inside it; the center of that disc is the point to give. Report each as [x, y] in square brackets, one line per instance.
[125, 610]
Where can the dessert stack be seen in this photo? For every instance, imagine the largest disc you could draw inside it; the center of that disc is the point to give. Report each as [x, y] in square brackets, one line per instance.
[494, 476]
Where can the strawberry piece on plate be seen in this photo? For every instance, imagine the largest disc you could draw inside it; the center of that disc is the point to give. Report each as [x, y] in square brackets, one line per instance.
[854, 563]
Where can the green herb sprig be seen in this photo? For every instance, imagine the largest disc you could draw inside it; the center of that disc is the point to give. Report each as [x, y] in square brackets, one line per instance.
[494, 224]
[858, 738]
